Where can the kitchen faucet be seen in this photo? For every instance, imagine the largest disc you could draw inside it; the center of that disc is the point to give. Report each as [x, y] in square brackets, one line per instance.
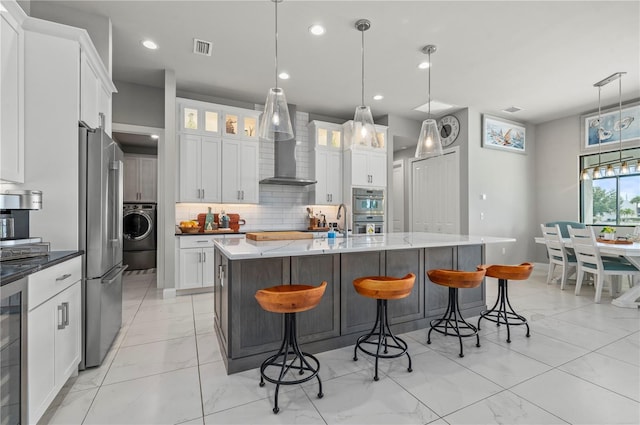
[344, 230]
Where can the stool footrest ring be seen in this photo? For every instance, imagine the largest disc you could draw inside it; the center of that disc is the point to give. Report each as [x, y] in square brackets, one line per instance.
[502, 313]
[384, 340]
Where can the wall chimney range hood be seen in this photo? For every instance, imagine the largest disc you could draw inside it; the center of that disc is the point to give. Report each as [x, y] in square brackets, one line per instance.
[285, 160]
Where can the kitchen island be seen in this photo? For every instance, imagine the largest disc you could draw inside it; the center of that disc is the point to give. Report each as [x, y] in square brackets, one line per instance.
[247, 333]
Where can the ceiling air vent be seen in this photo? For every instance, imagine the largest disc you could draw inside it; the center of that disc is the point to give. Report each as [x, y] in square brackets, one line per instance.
[202, 47]
[512, 109]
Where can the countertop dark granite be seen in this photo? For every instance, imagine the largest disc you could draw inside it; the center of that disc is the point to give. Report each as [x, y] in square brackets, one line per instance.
[11, 271]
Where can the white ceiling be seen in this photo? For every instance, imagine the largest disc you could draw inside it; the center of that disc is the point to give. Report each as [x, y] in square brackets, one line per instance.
[541, 56]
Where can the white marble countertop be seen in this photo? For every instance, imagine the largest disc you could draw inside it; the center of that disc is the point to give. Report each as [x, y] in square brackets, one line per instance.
[241, 248]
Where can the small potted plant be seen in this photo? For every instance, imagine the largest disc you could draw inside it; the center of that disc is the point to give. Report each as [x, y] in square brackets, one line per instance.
[608, 232]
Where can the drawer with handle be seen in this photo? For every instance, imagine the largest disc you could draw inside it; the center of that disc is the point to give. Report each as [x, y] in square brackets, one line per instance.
[53, 280]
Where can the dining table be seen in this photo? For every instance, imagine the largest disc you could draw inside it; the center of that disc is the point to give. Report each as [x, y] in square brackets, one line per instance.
[631, 252]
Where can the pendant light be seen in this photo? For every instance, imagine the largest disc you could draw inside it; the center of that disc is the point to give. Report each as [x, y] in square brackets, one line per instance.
[364, 132]
[429, 143]
[275, 123]
[620, 125]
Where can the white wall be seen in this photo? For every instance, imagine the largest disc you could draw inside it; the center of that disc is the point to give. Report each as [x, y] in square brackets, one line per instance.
[557, 185]
[138, 105]
[508, 180]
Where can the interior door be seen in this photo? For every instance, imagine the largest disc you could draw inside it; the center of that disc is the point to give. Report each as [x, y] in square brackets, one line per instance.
[435, 203]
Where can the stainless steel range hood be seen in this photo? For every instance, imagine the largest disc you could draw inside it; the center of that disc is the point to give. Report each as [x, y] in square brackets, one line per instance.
[285, 160]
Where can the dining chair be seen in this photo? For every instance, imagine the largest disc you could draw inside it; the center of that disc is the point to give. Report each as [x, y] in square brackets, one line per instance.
[589, 261]
[558, 254]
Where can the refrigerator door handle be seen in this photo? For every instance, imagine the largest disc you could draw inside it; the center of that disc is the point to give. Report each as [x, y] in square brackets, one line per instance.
[117, 166]
[115, 275]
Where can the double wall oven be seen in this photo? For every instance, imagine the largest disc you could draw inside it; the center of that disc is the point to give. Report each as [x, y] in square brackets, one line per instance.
[368, 211]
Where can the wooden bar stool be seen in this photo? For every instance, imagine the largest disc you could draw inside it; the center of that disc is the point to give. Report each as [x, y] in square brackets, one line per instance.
[290, 299]
[452, 320]
[499, 313]
[383, 288]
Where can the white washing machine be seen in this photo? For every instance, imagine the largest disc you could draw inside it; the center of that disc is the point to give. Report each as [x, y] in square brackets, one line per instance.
[139, 236]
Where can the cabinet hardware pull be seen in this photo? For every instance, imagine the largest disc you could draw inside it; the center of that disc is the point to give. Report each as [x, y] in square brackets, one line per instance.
[65, 313]
[60, 317]
[204, 257]
[63, 277]
[242, 195]
[202, 241]
[202, 193]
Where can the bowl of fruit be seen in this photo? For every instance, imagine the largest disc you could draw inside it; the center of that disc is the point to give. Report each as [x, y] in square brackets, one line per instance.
[189, 226]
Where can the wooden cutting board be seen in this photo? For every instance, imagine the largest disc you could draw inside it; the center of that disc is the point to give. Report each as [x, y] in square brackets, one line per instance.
[278, 236]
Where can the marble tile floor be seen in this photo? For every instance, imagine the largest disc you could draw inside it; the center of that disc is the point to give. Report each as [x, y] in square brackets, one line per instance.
[581, 365]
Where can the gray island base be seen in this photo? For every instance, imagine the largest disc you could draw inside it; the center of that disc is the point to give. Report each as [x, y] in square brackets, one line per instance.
[248, 335]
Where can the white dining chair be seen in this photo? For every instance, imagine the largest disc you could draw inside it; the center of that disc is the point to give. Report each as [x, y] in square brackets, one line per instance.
[558, 254]
[589, 261]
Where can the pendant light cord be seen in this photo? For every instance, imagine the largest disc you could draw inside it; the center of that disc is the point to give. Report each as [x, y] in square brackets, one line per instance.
[429, 85]
[362, 51]
[276, 70]
[620, 118]
[599, 125]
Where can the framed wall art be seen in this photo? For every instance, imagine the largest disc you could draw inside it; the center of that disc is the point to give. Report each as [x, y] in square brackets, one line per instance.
[610, 128]
[498, 133]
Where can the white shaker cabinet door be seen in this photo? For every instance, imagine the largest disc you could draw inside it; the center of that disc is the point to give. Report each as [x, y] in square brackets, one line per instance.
[249, 172]
[67, 351]
[42, 323]
[210, 161]
[190, 268]
[148, 179]
[189, 173]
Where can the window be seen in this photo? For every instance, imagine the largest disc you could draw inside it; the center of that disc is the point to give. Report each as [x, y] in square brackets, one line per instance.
[611, 199]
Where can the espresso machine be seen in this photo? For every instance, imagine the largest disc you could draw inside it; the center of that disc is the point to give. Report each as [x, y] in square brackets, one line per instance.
[15, 240]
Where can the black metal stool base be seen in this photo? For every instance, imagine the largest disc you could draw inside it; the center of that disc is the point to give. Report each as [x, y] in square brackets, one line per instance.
[382, 337]
[288, 357]
[453, 324]
[499, 314]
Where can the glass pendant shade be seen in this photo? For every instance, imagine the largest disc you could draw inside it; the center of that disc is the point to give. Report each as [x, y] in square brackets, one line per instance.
[585, 174]
[625, 168]
[364, 132]
[610, 172]
[596, 173]
[429, 143]
[276, 123]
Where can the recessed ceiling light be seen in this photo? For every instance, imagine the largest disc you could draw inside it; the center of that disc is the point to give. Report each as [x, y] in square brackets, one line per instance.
[155, 136]
[283, 76]
[378, 97]
[423, 65]
[316, 29]
[149, 44]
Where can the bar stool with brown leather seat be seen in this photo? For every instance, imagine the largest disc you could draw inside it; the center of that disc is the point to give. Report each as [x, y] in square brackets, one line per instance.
[499, 313]
[383, 288]
[452, 320]
[290, 299]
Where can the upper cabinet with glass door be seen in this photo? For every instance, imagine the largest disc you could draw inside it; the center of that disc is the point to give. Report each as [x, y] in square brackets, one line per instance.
[211, 119]
[240, 123]
[379, 142]
[326, 135]
[199, 117]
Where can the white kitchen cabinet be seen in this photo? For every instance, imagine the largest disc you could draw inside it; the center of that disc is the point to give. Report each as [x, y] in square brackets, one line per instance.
[379, 143]
[95, 98]
[327, 162]
[53, 333]
[140, 178]
[328, 173]
[200, 118]
[325, 134]
[12, 95]
[199, 176]
[240, 171]
[365, 168]
[196, 264]
[240, 123]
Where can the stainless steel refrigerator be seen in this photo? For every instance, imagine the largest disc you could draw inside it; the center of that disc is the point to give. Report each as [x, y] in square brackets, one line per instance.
[101, 200]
